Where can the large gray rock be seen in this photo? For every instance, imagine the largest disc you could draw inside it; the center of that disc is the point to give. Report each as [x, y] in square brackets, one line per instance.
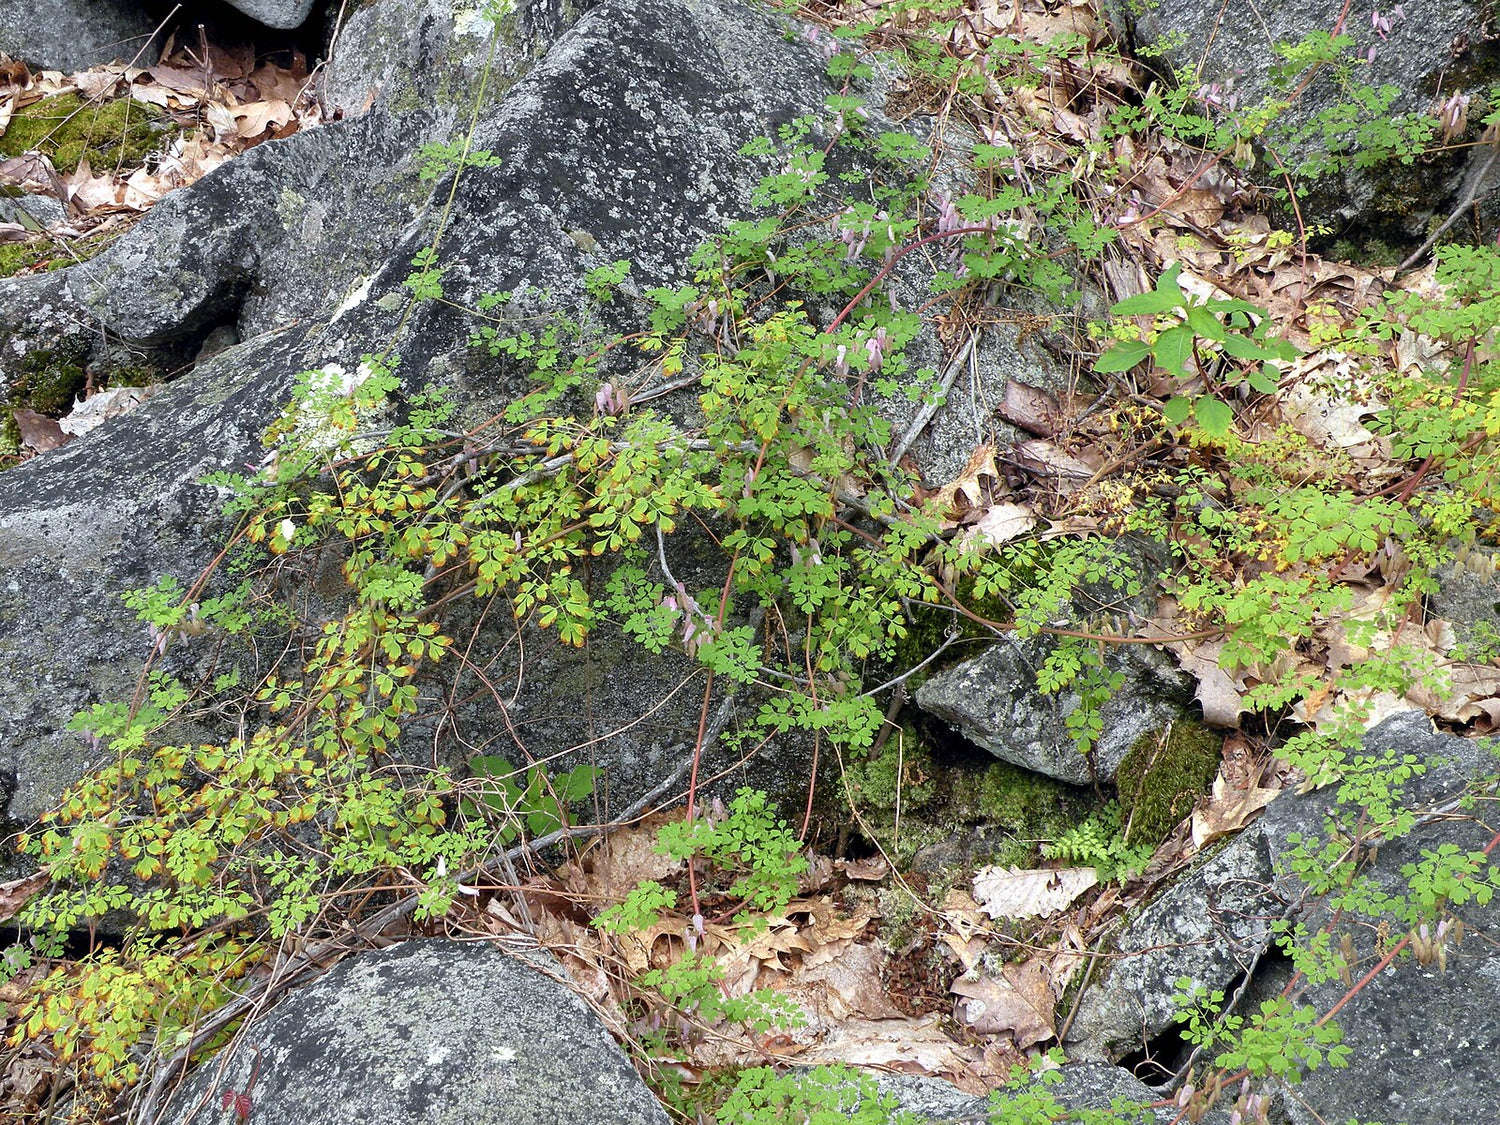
[1076, 1087]
[1468, 596]
[71, 35]
[295, 225]
[426, 1033]
[1419, 1036]
[429, 55]
[993, 701]
[284, 14]
[1416, 1033]
[1435, 50]
[1210, 927]
[629, 130]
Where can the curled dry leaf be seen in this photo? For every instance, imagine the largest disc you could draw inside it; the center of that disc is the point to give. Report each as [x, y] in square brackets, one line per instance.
[851, 986]
[94, 411]
[976, 487]
[1473, 695]
[1030, 408]
[869, 870]
[625, 858]
[1010, 892]
[1000, 524]
[967, 928]
[1062, 470]
[1019, 1003]
[1227, 810]
[18, 892]
[906, 1046]
[38, 432]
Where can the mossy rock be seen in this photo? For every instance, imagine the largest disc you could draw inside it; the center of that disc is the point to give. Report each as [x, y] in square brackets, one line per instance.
[1162, 776]
[66, 128]
[51, 379]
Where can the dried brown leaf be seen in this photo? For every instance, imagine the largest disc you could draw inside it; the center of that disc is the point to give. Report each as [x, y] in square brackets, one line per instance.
[1228, 810]
[1032, 409]
[16, 893]
[868, 870]
[38, 432]
[908, 1046]
[851, 986]
[975, 487]
[1019, 1002]
[999, 524]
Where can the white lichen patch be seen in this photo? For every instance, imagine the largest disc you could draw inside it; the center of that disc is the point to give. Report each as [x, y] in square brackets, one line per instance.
[356, 297]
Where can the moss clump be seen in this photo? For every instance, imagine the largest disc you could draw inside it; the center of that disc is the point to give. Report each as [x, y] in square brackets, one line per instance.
[903, 768]
[51, 378]
[1162, 776]
[66, 129]
[45, 254]
[19, 257]
[1021, 809]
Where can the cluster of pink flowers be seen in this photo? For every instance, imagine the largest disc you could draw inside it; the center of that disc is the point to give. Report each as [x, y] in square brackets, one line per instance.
[697, 626]
[1250, 1108]
[826, 44]
[1453, 114]
[608, 400]
[1216, 95]
[877, 345]
[1382, 25]
[856, 237]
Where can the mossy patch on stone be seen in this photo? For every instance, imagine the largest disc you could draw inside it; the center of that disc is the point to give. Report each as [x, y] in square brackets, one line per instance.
[113, 134]
[901, 771]
[1162, 776]
[42, 253]
[51, 378]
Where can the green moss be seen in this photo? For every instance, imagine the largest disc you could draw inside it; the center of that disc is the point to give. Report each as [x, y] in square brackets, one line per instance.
[138, 375]
[66, 128]
[903, 769]
[10, 438]
[51, 378]
[17, 257]
[45, 254]
[1161, 777]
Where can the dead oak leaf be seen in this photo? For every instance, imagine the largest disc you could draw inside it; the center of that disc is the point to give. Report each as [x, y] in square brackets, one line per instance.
[1227, 810]
[38, 432]
[18, 892]
[1019, 1002]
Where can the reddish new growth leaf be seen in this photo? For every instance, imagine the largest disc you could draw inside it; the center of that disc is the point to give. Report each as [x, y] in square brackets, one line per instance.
[240, 1103]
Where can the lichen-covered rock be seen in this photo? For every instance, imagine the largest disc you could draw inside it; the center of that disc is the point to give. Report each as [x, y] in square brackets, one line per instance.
[284, 14]
[1413, 1031]
[1209, 927]
[1077, 1087]
[430, 55]
[295, 225]
[993, 699]
[629, 130]
[1468, 596]
[427, 1033]
[72, 35]
[1431, 53]
[1418, 1034]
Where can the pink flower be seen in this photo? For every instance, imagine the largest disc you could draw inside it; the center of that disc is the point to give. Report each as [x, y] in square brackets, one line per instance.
[610, 401]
